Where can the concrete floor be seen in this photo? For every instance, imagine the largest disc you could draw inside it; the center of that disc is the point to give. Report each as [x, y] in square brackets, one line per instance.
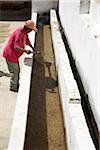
[7, 98]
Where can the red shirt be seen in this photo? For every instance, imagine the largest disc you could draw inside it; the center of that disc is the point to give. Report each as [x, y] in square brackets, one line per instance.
[19, 38]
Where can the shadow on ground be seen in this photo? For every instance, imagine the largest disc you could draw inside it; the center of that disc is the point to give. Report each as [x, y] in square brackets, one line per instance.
[36, 132]
[4, 74]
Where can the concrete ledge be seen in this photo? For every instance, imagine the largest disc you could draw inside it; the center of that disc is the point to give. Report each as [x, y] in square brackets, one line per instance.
[20, 117]
[77, 133]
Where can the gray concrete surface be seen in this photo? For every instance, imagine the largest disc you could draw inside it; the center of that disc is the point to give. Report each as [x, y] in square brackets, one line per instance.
[7, 98]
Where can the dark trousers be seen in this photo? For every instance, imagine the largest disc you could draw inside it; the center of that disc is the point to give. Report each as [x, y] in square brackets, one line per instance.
[14, 70]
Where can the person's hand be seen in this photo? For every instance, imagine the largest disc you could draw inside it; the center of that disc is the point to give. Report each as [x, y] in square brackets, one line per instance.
[34, 49]
[28, 52]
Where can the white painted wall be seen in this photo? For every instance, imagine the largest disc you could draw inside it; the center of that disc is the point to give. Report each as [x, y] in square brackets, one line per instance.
[74, 121]
[95, 10]
[40, 6]
[80, 30]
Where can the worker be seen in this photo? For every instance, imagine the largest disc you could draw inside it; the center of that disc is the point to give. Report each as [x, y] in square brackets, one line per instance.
[15, 48]
[43, 19]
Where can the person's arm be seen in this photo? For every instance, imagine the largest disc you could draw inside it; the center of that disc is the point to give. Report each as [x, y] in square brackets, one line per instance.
[24, 50]
[32, 47]
[35, 50]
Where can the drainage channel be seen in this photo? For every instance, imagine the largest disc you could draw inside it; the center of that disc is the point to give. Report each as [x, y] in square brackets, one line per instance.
[45, 129]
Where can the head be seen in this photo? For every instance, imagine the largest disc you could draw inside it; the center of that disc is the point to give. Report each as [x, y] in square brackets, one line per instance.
[29, 26]
[27, 30]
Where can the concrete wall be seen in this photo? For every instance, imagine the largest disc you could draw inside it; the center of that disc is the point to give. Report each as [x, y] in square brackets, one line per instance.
[40, 6]
[74, 121]
[95, 10]
[83, 34]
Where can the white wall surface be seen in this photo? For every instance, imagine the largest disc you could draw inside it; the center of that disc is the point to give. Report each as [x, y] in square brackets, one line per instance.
[40, 6]
[80, 31]
[95, 10]
[74, 121]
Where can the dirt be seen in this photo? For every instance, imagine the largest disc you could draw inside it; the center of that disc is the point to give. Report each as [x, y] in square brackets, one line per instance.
[45, 129]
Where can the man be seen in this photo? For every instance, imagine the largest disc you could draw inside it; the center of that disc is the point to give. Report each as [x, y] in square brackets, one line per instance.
[15, 48]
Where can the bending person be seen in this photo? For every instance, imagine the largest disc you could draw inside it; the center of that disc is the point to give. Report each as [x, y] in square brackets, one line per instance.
[15, 48]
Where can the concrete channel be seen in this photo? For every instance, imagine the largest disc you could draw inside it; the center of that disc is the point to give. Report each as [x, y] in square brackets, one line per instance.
[45, 129]
[42, 119]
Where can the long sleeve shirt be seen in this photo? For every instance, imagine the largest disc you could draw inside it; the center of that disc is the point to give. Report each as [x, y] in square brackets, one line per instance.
[19, 38]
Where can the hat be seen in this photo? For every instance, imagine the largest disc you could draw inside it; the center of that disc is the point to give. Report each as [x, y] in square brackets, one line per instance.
[31, 25]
